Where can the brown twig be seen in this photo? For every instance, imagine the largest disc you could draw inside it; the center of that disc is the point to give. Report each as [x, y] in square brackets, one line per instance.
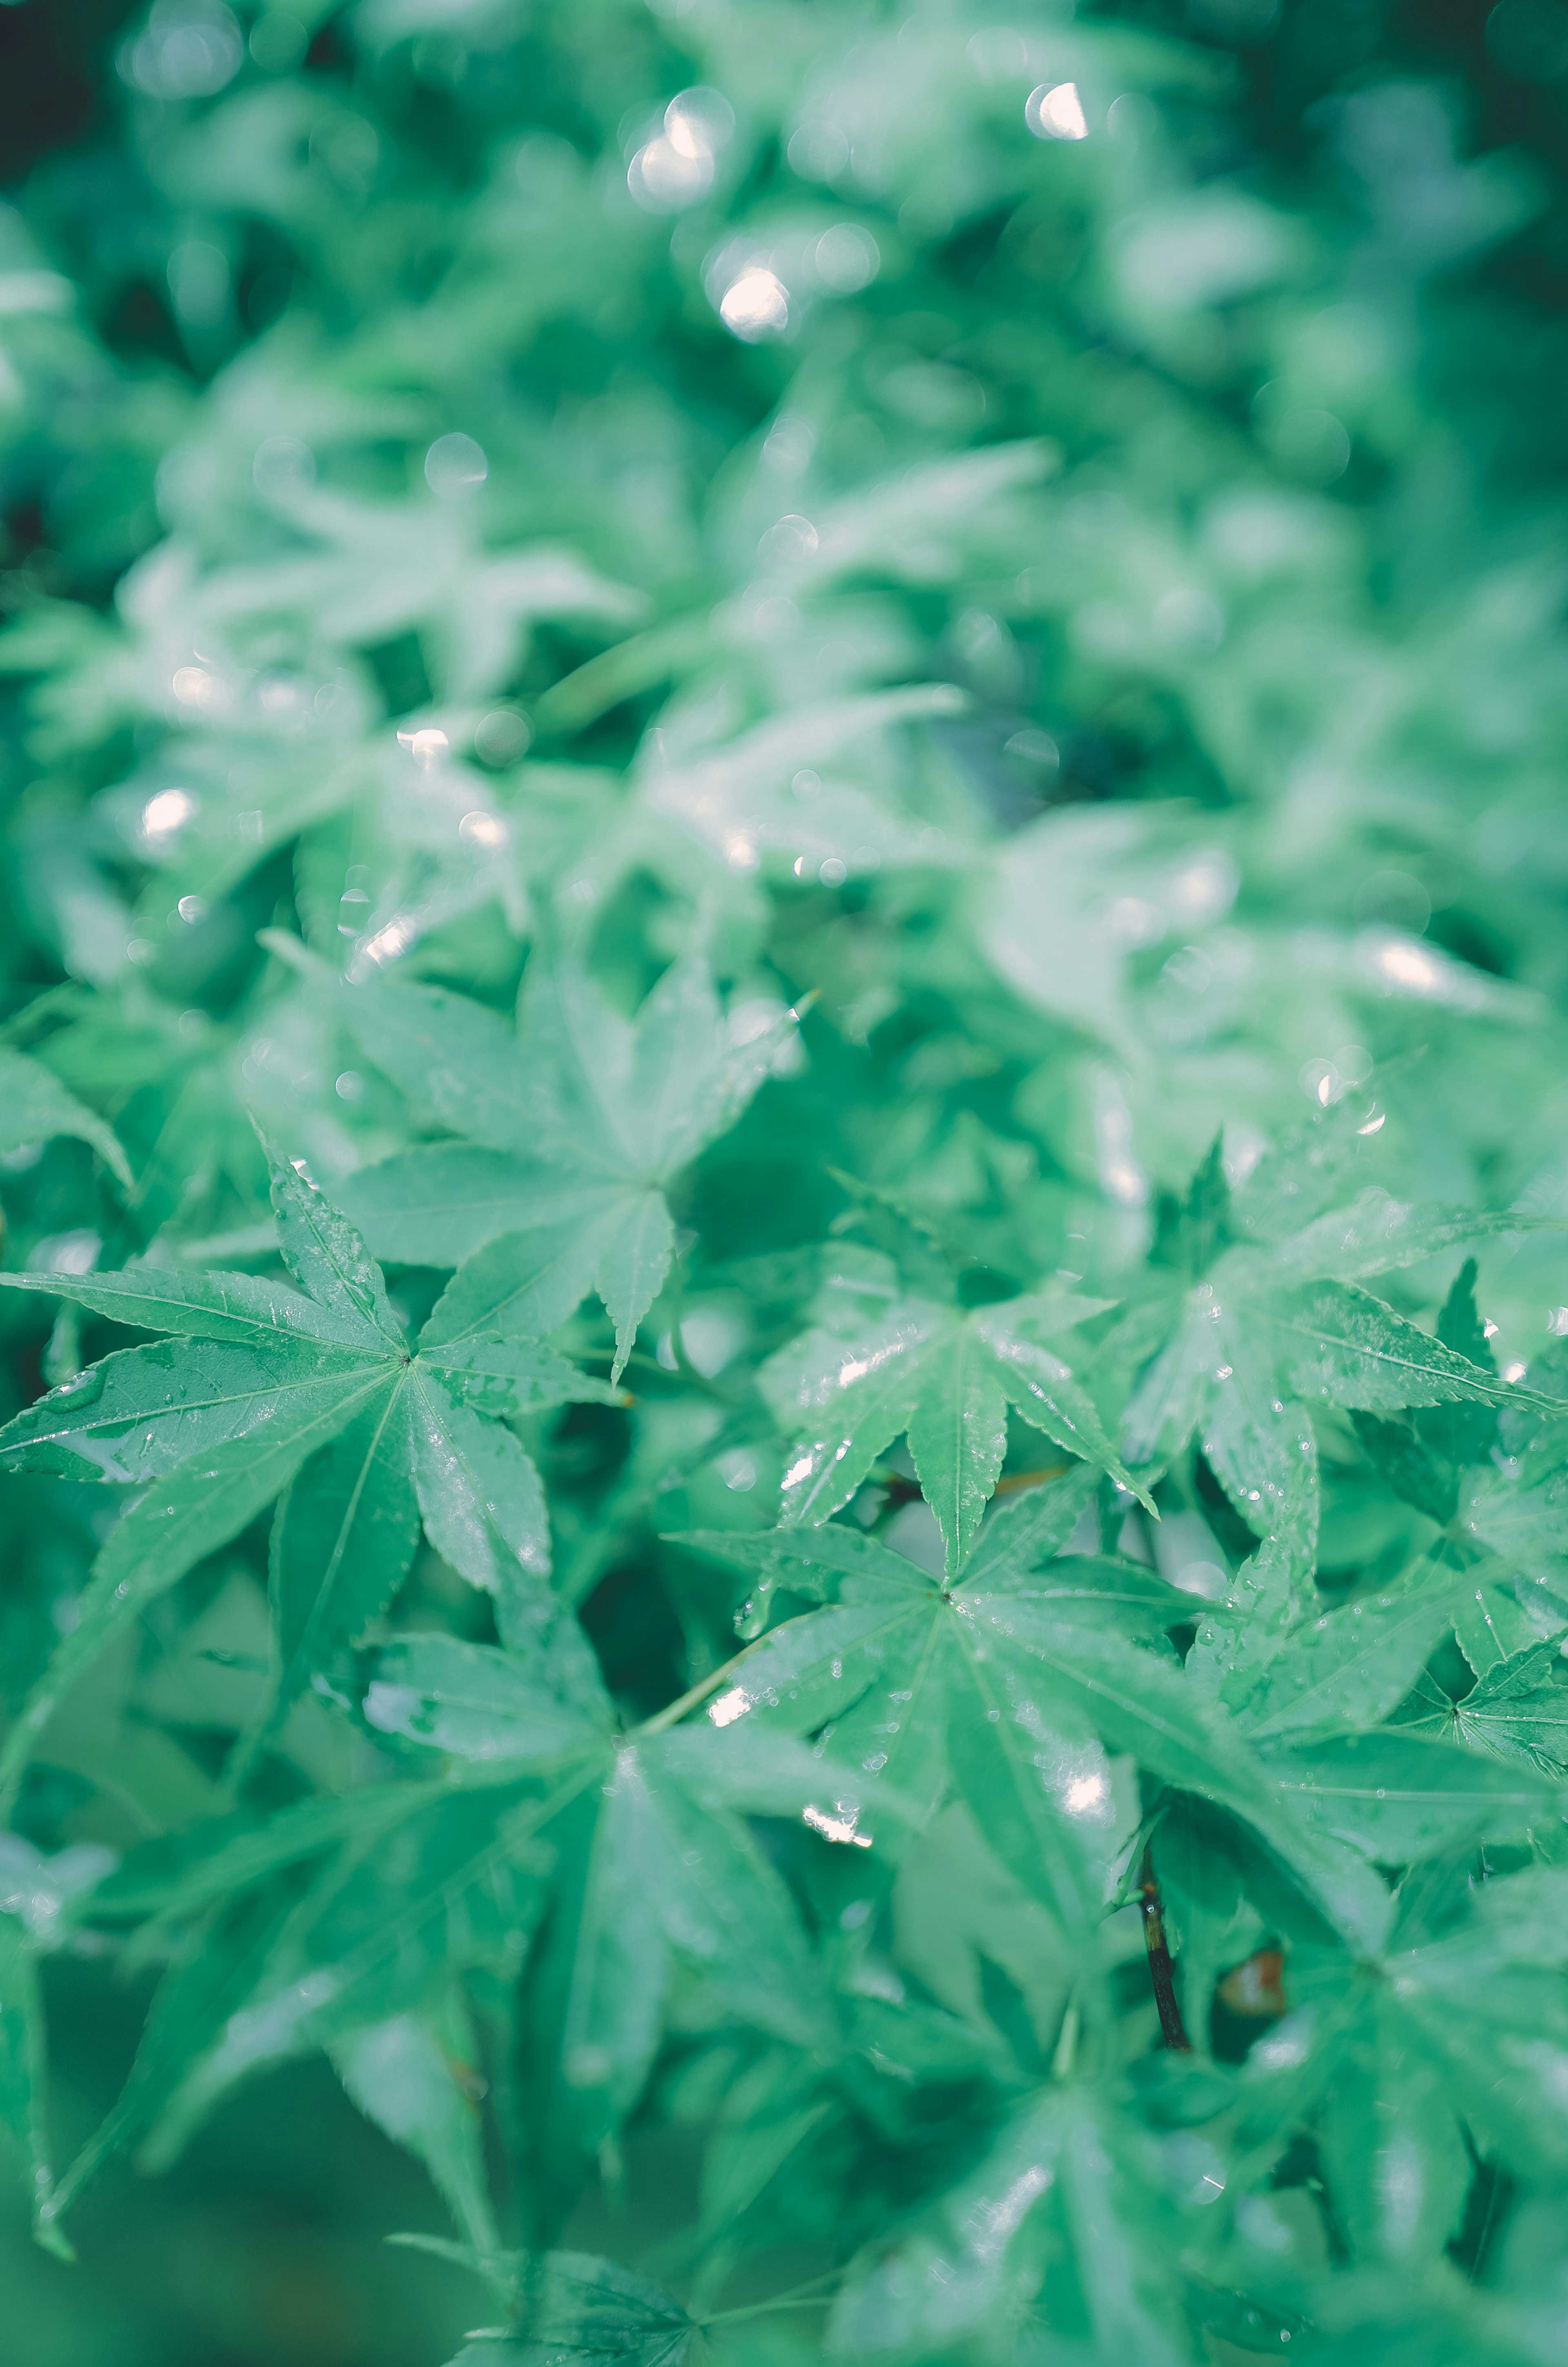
[902, 1491]
[1010, 1481]
[1172, 2030]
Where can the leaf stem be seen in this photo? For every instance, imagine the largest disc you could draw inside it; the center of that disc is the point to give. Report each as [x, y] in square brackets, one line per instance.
[803, 2296]
[675, 1710]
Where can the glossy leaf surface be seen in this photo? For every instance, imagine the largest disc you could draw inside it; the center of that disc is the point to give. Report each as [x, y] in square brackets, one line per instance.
[783, 1184]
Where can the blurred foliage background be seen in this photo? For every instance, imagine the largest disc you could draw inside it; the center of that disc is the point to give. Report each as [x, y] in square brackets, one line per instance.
[403, 364]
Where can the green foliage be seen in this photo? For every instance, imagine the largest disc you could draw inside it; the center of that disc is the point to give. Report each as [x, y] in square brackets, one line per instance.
[783, 1148]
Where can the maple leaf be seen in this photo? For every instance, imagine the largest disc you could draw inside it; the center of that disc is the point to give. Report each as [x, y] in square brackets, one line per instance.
[313, 1391]
[576, 1125]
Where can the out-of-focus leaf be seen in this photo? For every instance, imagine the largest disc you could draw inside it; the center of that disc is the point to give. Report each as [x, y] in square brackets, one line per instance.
[606, 1113]
[22, 2129]
[574, 2307]
[35, 1106]
[417, 2077]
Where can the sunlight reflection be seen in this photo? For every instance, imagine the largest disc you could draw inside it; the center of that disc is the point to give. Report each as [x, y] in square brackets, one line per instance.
[1056, 112]
[756, 305]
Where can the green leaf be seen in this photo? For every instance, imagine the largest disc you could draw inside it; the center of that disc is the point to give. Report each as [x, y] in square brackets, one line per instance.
[1497, 1620]
[24, 2142]
[212, 1974]
[1206, 1218]
[470, 1700]
[1039, 1784]
[1168, 1399]
[181, 1876]
[610, 1110]
[958, 1436]
[596, 1997]
[1044, 1389]
[221, 1426]
[942, 1378]
[631, 1268]
[1518, 1708]
[908, 1675]
[167, 1532]
[416, 2075]
[509, 1378]
[1377, 1234]
[1390, 2143]
[1343, 1344]
[1234, 1363]
[1397, 1796]
[831, 1558]
[920, 760]
[1260, 1446]
[479, 1491]
[862, 1399]
[1033, 1525]
[945, 2282]
[1519, 1516]
[233, 1307]
[437, 1204]
[143, 1412]
[343, 1541]
[1462, 1434]
[1427, 1481]
[720, 1904]
[1352, 1665]
[1403, 2089]
[1272, 1595]
[460, 1061]
[1051, 2207]
[572, 2306]
[34, 1108]
[520, 1285]
[667, 1872]
[459, 1882]
[328, 1259]
[1140, 1705]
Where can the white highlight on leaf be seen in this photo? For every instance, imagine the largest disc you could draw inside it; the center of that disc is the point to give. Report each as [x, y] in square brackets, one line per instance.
[756, 305]
[193, 685]
[426, 746]
[698, 121]
[389, 942]
[728, 1706]
[1286, 2048]
[1055, 111]
[999, 2220]
[481, 828]
[75, 1253]
[167, 812]
[835, 1826]
[662, 180]
[390, 1707]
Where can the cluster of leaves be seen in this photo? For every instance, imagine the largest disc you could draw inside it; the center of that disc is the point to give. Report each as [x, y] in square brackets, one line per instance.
[783, 1138]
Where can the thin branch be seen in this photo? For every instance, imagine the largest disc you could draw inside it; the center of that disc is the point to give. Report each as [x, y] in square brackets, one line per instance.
[1172, 2030]
[1010, 1481]
[809, 2295]
[675, 1710]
